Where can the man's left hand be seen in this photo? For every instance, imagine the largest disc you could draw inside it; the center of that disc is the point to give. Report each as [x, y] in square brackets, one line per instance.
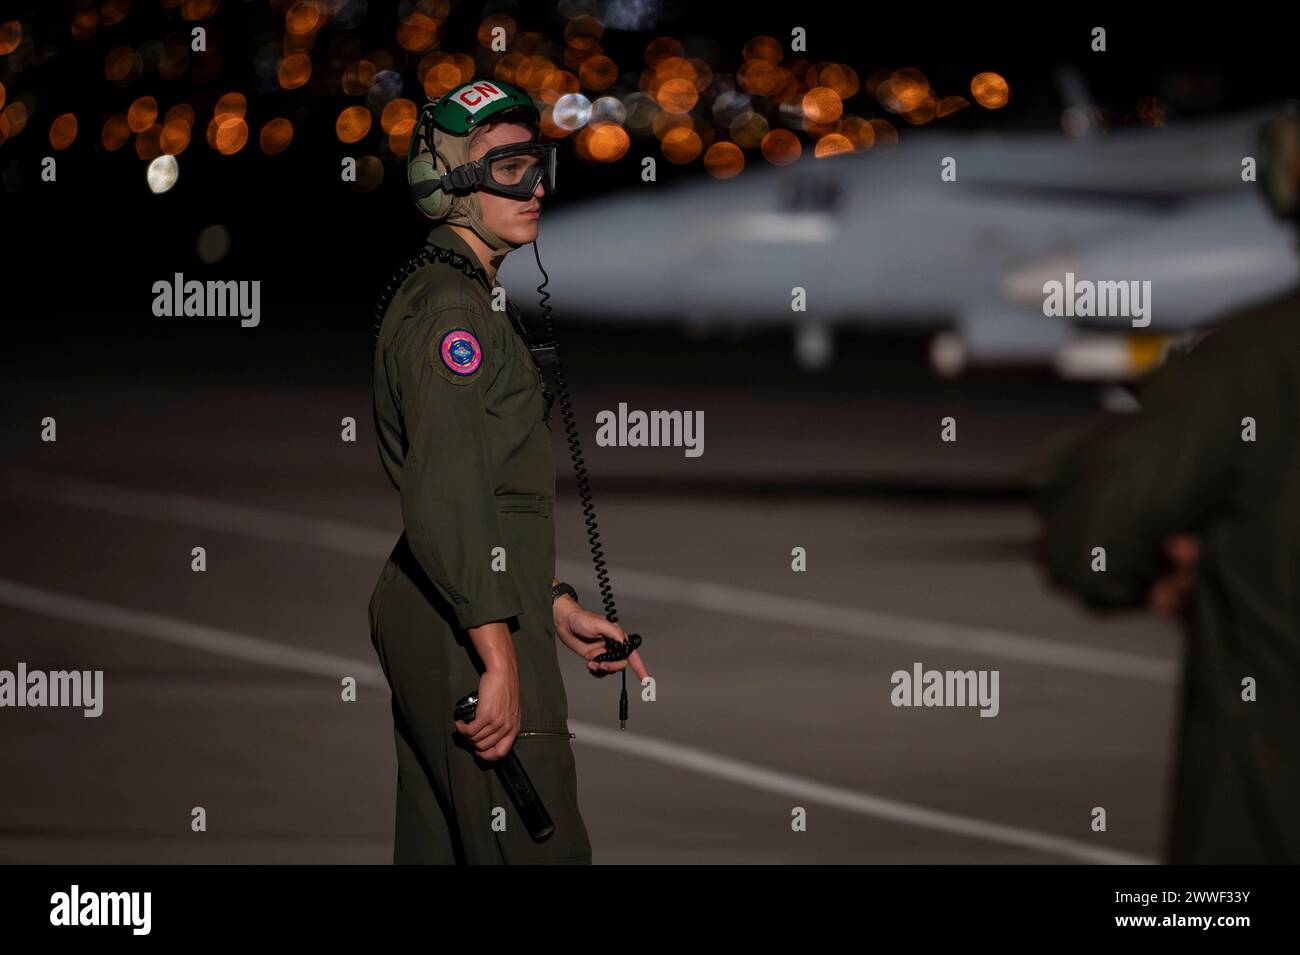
[583, 632]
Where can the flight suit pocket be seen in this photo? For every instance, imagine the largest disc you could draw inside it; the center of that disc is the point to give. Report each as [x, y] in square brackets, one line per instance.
[523, 504]
[545, 729]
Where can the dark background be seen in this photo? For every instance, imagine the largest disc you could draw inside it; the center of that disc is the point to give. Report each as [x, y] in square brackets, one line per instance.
[101, 238]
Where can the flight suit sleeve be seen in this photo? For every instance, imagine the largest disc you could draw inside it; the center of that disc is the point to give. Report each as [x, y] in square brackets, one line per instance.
[1140, 477]
[448, 359]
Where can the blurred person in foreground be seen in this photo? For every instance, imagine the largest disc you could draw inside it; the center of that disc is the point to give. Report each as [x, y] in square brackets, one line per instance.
[1196, 501]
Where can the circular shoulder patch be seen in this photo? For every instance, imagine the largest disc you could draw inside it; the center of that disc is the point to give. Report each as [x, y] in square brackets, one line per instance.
[460, 351]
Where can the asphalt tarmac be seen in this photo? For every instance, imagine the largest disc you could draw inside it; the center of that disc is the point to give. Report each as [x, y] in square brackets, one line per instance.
[222, 688]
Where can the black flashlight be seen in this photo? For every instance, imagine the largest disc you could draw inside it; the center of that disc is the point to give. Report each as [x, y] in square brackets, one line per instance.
[518, 785]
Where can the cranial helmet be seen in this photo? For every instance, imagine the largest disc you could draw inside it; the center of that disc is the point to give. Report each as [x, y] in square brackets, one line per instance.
[443, 180]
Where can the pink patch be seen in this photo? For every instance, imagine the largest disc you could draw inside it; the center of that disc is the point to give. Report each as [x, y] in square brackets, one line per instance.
[461, 351]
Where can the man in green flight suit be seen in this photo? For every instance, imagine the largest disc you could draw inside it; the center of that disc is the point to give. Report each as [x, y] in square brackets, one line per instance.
[468, 598]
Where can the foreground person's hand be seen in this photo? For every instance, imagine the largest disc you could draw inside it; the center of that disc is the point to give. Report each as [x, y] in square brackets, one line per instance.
[1171, 591]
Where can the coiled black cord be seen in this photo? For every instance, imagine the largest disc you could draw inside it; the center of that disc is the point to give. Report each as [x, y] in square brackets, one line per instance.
[614, 649]
[426, 255]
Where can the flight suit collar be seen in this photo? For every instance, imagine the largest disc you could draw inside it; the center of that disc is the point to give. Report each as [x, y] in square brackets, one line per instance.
[444, 235]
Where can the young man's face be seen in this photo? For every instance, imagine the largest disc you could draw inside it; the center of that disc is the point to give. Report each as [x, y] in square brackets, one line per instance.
[512, 219]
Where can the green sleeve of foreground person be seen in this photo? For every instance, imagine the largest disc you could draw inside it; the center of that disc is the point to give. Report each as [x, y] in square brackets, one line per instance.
[1191, 506]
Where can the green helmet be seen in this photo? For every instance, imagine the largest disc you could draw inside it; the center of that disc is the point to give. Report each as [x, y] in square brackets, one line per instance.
[467, 106]
[458, 113]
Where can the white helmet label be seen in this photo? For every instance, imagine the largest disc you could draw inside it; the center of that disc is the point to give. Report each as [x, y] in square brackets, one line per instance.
[477, 95]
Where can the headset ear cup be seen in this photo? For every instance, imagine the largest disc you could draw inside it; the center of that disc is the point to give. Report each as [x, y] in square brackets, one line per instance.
[421, 169]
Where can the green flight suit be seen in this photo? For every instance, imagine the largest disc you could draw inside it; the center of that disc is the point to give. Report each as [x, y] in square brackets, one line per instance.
[1181, 465]
[464, 438]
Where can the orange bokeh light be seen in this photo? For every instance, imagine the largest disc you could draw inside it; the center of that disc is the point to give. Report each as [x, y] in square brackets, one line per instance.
[760, 77]
[276, 136]
[607, 142]
[115, 133]
[990, 90]
[781, 147]
[417, 33]
[598, 73]
[448, 74]
[399, 140]
[677, 95]
[148, 144]
[681, 144]
[396, 113]
[821, 105]
[353, 124]
[724, 160]
[85, 23]
[231, 136]
[11, 34]
[294, 71]
[183, 112]
[662, 48]
[142, 113]
[583, 31]
[232, 104]
[904, 90]
[63, 131]
[764, 48]
[924, 112]
[301, 18]
[832, 144]
[175, 136]
[556, 84]
[15, 116]
[842, 79]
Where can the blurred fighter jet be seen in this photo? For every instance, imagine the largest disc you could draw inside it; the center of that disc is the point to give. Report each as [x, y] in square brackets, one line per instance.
[879, 239]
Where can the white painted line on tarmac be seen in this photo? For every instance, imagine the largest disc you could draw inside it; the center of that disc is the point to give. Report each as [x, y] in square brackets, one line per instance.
[808, 615]
[269, 653]
[815, 615]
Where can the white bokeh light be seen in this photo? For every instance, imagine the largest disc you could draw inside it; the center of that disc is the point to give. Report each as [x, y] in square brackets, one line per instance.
[163, 173]
[572, 111]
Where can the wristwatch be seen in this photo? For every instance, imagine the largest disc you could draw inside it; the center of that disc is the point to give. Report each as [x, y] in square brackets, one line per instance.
[560, 589]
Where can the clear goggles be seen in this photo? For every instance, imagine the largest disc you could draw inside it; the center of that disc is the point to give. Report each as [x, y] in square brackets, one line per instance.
[515, 169]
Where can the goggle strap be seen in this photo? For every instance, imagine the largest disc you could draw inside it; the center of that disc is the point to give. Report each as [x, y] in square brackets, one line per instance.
[466, 176]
